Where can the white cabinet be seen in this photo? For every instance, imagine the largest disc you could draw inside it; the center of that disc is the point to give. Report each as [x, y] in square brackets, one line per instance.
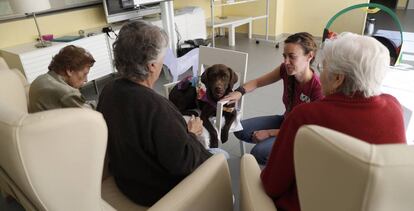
[98, 46]
[34, 61]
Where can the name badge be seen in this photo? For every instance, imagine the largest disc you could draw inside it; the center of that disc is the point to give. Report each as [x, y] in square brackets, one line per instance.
[304, 98]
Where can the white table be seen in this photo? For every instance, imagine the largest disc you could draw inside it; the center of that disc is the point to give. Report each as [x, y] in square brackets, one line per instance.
[231, 22]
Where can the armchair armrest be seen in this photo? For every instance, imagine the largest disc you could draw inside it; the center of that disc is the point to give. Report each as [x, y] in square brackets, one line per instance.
[219, 114]
[207, 188]
[252, 194]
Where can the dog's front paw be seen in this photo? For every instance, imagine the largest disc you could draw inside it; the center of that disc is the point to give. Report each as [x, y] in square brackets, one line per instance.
[224, 137]
[213, 142]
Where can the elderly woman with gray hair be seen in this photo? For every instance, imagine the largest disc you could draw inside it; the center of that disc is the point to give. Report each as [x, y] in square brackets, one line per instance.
[150, 146]
[352, 72]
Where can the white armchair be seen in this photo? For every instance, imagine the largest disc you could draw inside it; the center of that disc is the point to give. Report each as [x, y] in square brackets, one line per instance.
[337, 172]
[207, 188]
[49, 160]
[252, 194]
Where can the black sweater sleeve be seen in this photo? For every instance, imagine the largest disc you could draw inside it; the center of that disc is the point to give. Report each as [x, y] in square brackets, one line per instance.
[177, 149]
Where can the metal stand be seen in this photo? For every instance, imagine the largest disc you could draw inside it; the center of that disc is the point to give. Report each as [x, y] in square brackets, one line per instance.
[41, 43]
[167, 17]
[258, 40]
[213, 35]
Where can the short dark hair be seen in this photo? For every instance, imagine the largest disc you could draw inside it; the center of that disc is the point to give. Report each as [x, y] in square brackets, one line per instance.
[138, 43]
[71, 58]
[305, 40]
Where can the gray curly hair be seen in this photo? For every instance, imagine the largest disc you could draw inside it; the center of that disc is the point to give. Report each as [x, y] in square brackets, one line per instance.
[138, 44]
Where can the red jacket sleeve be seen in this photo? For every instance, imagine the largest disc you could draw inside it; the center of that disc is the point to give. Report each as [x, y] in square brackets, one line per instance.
[279, 174]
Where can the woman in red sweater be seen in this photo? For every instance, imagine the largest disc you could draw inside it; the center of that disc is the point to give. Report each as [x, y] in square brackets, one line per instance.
[353, 68]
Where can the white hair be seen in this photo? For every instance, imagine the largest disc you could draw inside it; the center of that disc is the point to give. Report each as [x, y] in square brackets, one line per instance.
[363, 60]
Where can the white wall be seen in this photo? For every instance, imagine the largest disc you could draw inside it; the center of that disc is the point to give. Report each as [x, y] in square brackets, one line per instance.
[401, 4]
[312, 16]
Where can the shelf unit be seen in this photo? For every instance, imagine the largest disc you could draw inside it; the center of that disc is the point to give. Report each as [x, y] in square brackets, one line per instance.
[232, 22]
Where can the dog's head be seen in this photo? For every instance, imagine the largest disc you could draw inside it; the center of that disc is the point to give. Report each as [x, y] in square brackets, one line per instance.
[219, 80]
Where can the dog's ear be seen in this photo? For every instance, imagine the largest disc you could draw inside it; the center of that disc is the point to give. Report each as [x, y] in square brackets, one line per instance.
[233, 77]
[204, 77]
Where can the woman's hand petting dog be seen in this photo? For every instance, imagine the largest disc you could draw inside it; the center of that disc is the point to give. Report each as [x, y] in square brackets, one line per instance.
[232, 97]
[260, 135]
[195, 125]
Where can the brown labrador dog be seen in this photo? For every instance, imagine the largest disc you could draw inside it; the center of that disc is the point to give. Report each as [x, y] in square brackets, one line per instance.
[219, 81]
